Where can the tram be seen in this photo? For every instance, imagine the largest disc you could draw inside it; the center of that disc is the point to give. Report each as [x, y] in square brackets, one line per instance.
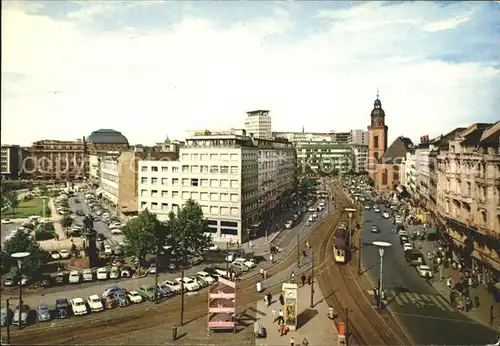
[340, 249]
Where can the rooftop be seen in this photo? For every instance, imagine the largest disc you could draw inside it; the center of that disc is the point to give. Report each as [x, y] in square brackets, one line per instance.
[107, 136]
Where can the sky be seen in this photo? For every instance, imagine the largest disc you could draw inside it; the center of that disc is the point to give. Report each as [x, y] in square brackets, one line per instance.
[152, 69]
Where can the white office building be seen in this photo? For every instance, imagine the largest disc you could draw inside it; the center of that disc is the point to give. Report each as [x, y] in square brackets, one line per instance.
[360, 153]
[258, 124]
[220, 171]
[411, 173]
[358, 137]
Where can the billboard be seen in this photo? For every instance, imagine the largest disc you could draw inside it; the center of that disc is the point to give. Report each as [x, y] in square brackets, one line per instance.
[290, 313]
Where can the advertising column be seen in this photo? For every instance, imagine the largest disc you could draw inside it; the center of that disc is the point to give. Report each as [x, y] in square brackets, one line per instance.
[290, 313]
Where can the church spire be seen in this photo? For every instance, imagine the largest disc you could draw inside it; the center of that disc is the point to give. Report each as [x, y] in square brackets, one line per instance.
[377, 93]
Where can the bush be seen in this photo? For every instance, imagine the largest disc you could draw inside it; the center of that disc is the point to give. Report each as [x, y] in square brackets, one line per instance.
[48, 212]
[48, 226]
[28, 198]
[44, 235]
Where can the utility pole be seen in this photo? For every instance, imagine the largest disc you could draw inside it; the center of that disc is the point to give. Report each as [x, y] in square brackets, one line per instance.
[182, 296]
[157, 273]
[346, 326]
[8, 324]
[311, 305]
[360, 246]
[298, 250]
[227, 262]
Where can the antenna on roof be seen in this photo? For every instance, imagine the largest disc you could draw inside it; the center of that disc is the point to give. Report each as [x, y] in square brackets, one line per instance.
[377, 94]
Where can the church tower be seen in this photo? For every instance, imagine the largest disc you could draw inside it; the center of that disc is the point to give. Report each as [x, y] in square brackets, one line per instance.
[377, 136]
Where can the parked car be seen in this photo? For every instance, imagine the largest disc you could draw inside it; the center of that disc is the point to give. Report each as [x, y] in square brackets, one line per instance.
[116, 231]
[5, 317]
[114, 273]
[108, 250]
[174, 286]
[407, 247]
[7, 221]
[60, 278]
[247, 263]
[64, 254]
[95, 303]
[147, 292]
[375, 229]
[126, 272]
[102, 273]
[152, 268]
[21, 315]
[122, 299]
[43, 313]
[110, 301]
[55, 255]
[62, 308]
[424, 271]
[78, 306]
[206, 277]
[9, 281]
[239, 265]
[164, 290]
[386, 215]
[202, 283]
[189, 284]
[135, 297]
[46, 281]
[74, 277]
[111, 291]
[87, 275]
[24, 280]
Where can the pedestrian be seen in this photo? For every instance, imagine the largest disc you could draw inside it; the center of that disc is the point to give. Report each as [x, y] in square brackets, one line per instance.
[292, 341]
[281, 328]
[281, 319]
[305, 342]
[307, 245]
[303, 279]
[273, 312]
[309, 279]
[282, 300]
[292, 277]
[265, 274]
[448, 282]
[271, 259]
[261, 272]
[269, 298]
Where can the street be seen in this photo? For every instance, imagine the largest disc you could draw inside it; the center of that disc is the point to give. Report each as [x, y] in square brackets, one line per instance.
[425, 316]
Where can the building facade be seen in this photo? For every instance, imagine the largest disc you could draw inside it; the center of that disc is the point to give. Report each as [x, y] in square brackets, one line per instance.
[56, 160]
[303, 136]
[234, 177]
[326, 157]
[106, 140]
[377, 138]
[359, 137]
[360, 154]
[12, 162]
[411, 172]
[468, 197]
[423, 177]
[258, 124]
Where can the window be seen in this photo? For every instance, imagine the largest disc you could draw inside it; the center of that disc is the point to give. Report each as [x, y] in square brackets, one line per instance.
[235, 184]
[224, 157]
[235, 198]
[395, 174]
[164, 193]
[144, 168]
[175, 208]
[214, 157]
[195, 182]
[234, 157]
[228, 224]
[204, 169]
[224, 211]
[204, 157]
[154, 193]
[175, 169]
[175, 181]
[164, 206]
[224, 183]
[164, 181]
[235, 211]
[185, 169]
[154, 169]
[194, 157]
[214, 210]
[204, 196]
[214, 169]
[185, 194]
[195, 169]
[235, 169]
[154, 206]
[144, 193]
[154, 181]
[214, 197]
[375, 142]
[384, 177]
[206, 210]
[164, 169]
[214, 183]
[224, 197]
[185, 182]
[144, 180]
[144, 205]
[224, 169]
[175, 194]
[185, 157]
[195, 196]
[204, 183]
[212, 223]
[229, 231]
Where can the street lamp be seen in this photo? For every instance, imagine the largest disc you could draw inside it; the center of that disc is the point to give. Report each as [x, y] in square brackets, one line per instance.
[20, 257]
[382, 245]
[350, 211]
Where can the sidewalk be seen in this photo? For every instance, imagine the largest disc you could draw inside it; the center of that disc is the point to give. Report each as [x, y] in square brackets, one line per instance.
[56, 220]
[481, 313]
[312, 323]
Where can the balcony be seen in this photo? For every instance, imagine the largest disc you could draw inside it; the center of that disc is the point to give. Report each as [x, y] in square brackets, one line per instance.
[466, 199]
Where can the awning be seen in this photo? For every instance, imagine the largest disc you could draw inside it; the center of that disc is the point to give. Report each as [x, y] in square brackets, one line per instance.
[432, 231]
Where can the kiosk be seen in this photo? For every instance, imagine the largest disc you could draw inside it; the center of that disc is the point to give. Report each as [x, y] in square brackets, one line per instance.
[290, 312]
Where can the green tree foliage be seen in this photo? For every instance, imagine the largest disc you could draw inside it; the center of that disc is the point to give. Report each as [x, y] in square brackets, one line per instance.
[13, 201]
[187, 230]
[307, 183]
[370, 181]
[44, 191]
[23, 243]
[66, 221]
[144, 234]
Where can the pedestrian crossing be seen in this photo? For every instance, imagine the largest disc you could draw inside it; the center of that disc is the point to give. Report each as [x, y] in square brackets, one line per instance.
[418, 300]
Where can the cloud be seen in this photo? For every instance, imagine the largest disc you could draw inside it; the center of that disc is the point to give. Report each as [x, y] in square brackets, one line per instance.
[152, 69]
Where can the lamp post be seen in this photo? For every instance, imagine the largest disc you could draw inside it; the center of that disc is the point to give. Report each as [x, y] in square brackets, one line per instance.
[20, 257]
[382, 245]
[350, 211]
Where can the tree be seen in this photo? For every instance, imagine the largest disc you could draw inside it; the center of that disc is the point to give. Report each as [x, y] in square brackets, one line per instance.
[66, 221]
[187, 230]
[13, 201]
[23, 243]
[370, 182]
[144, 234]
[44, 191]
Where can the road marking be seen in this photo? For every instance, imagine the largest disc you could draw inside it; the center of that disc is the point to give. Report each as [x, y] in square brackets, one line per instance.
[398, 300]
[404, 298]
[415, 299]
[444, 304]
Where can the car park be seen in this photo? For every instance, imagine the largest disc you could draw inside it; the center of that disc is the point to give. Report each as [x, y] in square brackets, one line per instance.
[78, 306]
[43, 313]
[102, 273]
[174, 286]
[424, 271]
[74, 277]
[147, 292]
[135, 297]
[21, 315]
[62, 308]
[87, 275]
[189, 284]
[95, 303]
[206, 277]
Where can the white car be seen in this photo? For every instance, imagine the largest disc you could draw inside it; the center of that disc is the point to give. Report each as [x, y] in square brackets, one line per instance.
[314, 216]
[116, 231]
[376, 210]
[248, 263]
[108, 250]
[174, 286]
[74, 277]
[87, 275]
[95, 303]
[240, 265]
[213, 248]
[24, 280]
[407, 246]
[386, 215]
[202, 283]
[424, 271]
[134, 297]
[7, 221]
[402, 232]
[114, 273]
[78, 306]
[311, 209]
[102, 274]
[232, 256]
[55, 255]
[64, 254]
[189, 284]
[116, 225]
[205, 277]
